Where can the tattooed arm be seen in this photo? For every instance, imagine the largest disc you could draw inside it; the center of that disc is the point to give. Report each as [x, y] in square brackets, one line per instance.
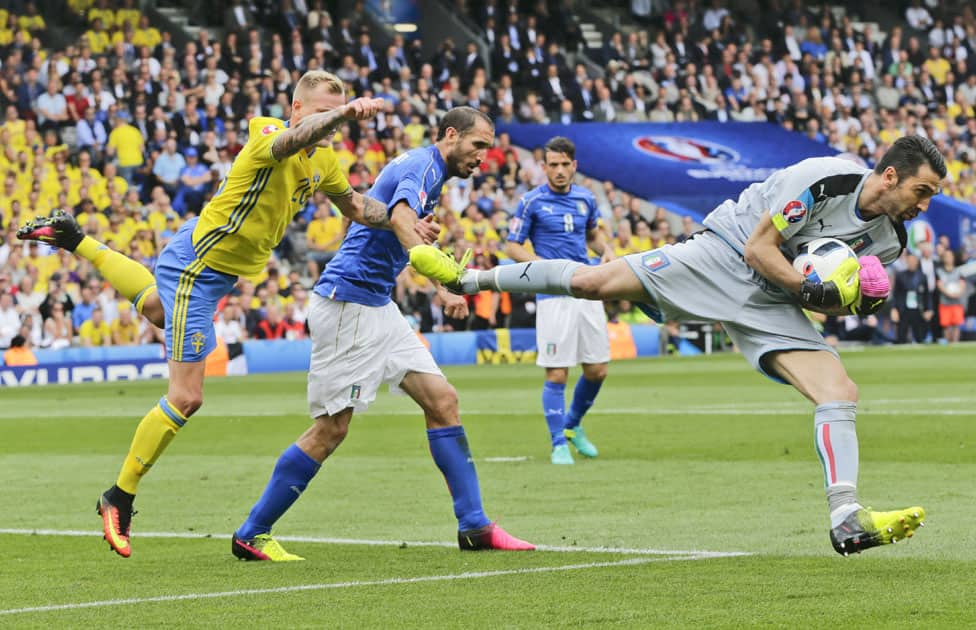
[363, 209]
[402, 220]
[316, 127]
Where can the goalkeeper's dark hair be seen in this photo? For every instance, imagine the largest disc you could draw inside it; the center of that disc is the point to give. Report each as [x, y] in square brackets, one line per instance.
[559, 144]
[908, 153]
[463, 119]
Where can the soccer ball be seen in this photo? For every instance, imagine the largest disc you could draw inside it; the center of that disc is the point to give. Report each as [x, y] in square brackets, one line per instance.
[819, 258]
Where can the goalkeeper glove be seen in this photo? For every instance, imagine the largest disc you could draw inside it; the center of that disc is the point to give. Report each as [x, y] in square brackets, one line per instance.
[840, 289]
[874, 286]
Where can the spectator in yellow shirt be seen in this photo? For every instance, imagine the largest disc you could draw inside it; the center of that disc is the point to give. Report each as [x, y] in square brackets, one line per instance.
[345, 157]
[126, 145]
[129, 14]
[31, 20]
[125, 330]
[96, 37]
[95, 332]
[102, 12]
[324, 236]
[146, 35]
[623, 244]
[937, 66]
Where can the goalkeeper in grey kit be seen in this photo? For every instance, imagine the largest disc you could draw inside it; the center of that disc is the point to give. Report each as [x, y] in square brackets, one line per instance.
[738, 272]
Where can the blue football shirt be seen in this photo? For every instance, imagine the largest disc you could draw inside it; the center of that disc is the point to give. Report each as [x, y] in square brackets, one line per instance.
[556, 223]
[364, 270]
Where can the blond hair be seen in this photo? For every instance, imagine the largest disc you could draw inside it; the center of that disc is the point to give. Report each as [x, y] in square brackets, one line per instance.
[313, 78]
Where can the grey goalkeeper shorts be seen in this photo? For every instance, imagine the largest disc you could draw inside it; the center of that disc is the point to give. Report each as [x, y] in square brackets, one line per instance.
[705, 279]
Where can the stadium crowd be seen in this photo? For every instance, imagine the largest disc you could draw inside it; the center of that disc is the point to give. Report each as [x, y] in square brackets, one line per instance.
[133, 134]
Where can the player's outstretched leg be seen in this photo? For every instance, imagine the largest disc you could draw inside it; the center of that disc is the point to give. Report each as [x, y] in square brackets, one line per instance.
[865, 528]
[439, 265]
[60, 230]
[127, 276]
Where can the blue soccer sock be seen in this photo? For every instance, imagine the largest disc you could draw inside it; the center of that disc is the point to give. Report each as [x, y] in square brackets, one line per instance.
[288, 480]
[583, 397]
[554, 408]
[449, 448]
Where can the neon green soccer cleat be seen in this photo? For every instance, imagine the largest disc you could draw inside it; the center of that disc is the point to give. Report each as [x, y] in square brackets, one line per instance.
[261, 547]
[865, 528]
[439, 265]
[582, 443]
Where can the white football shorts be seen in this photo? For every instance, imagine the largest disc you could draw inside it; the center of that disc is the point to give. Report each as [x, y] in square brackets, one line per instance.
[357, 348]
[569, 331]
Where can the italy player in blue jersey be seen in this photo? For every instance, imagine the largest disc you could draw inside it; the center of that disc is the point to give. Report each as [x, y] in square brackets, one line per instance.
[560, 219]
[361, 341]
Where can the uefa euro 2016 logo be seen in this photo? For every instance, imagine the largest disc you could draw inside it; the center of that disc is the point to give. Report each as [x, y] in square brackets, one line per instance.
[686, 150]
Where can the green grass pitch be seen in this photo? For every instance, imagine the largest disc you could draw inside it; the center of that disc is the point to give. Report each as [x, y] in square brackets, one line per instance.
[704, 509]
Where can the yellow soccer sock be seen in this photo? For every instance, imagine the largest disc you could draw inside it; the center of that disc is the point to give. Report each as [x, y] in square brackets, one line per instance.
[127, 276]
[153, 435]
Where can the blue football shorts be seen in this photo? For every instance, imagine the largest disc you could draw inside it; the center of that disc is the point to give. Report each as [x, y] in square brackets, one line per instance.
[189, 291]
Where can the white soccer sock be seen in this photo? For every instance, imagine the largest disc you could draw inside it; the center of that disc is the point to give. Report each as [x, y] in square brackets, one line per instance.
[836, 442]
[538, 276]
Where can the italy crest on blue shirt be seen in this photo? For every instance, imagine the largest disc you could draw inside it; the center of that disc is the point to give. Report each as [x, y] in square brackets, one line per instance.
[581, 206]
[655, 260]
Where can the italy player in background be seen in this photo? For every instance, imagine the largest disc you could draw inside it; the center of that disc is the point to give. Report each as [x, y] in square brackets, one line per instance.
[280, 167]
[560, 219]
[360, 341]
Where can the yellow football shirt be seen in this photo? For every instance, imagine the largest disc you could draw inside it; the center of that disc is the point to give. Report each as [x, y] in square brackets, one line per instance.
[257, 200]
[127, 16]
[128, 142]
[322, 231]
[125, 335]
[100, 335]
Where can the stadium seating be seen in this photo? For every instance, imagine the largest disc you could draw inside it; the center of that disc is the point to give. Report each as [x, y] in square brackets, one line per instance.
[92, 94]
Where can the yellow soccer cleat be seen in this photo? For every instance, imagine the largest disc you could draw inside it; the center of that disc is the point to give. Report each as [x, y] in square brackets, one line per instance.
[439, 265]
[865, 528]
[261, 547]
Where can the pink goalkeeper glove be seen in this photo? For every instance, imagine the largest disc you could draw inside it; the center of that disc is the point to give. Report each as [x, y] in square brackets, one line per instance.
[874, 278]
[874, 285]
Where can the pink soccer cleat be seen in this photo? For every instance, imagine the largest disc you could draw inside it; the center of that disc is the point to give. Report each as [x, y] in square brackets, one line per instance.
[491, 536]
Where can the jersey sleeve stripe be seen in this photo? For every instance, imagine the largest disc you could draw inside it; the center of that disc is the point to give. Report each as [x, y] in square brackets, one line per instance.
[835, 186]
[236, 218]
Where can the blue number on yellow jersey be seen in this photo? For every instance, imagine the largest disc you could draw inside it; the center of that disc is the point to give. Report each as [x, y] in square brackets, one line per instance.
[364, 270]
[247, 218]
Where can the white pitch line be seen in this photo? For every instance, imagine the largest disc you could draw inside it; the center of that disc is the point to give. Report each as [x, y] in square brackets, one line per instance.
[387, 543]
[337, 585]
[887, 406]
[651, 411]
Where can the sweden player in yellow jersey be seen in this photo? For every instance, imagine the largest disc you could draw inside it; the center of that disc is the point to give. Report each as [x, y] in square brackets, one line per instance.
[279, 168]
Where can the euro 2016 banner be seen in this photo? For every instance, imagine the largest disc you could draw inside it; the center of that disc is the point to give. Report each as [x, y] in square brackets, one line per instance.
[690, 168]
